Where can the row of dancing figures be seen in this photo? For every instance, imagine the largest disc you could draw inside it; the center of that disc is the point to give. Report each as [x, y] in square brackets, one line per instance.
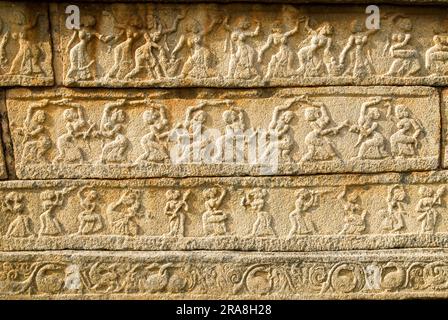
[191, 133]
[123, 214]
[155, 60]
[243, 61]
[90, 220]
[36, 139]
[127, 64]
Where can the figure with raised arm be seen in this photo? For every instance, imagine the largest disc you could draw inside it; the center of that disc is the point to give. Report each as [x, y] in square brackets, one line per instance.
[111, 130]
[67, 144]
[176, 208]
[404, 142]
[309, 63]
[213, 219]
[305, 201]
[426, 208]
[78, 55]
[319, 146]
[405, 57]
[123, 53]
[281, 63]
[90, 221]
[49, 222]
[354, 214]
[198, 63]
[371, 142]
[36, 138]
[152, 143]
[360, 64]
[28, 58]
[242, 56]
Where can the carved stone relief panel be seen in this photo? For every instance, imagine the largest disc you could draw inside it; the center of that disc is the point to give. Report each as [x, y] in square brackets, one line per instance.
[160, 275]
[267, 214]
[25, 45]
[246, 45]
[128, 134]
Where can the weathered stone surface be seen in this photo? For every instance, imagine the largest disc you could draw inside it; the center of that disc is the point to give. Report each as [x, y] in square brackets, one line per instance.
[204, 275]
[170, 45]
[237, 174]
[25, 45]
[268, 214]
[128, 134]
[3, 172]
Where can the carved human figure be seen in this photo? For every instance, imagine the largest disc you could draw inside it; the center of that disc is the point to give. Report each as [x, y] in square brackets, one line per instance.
[50, 201]
[148, 62]
[156, 121]
[371, 142]
[168, 62]
[214, 220]
[393, 216]
[436, 57]
[125, 212]
[360, 64]
[426, 208]
[145, 60]
[27, 60]
[243, 58]
[123, 53]
[234, 133]
[404, 142]
[21, 226]
[78, 54]
[405, 57]
[176, 209]
[354, 214]
[36, 139]
[69, 150]
[190, 133]
[112, 130]
[3, 41]
[310, 65]
[263, 226]
[319, 146]
[198, 63]
[280, 134]
[305, 201]
[281, 63]
[90, 221]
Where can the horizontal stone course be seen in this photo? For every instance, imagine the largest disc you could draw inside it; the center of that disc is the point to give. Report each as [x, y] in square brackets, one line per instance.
[381, 274]
[162, 45]
[130, 134]
[267, 214]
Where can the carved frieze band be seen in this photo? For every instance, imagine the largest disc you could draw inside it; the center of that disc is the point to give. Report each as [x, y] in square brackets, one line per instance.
[358, 274]
[128, 134]
[272, 214]
[247, 45]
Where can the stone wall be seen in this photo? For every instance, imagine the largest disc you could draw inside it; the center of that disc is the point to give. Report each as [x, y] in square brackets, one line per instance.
[220, 150]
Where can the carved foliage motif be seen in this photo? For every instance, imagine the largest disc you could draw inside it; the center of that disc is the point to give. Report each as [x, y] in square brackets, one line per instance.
[305, 276]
